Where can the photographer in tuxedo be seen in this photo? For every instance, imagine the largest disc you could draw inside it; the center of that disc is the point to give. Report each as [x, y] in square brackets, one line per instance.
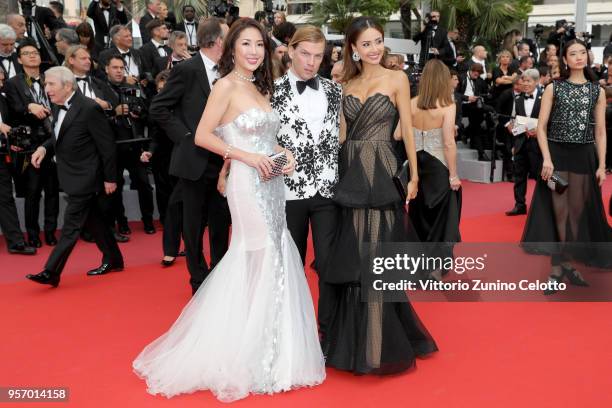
[474, 88]
[129, 123]
[527, 157]
[9, 64]
[177, 109]
[105, 15]
[9, 223]
[309, 107]
[85, 152]
[189, 26]
[156, 47]
[30, 107]
[433, 39]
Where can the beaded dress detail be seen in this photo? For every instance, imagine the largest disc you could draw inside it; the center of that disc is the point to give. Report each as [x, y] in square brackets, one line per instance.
[251, 326]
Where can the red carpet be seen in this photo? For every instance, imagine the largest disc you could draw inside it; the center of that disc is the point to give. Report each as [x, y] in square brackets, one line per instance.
[85, 334]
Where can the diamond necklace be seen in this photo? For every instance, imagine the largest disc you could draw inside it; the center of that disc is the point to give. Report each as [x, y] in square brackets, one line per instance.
[250, 79]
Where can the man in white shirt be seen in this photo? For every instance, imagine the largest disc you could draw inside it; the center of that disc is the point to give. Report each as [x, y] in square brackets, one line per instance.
[479, 55]
[309, 108]
[8, 52]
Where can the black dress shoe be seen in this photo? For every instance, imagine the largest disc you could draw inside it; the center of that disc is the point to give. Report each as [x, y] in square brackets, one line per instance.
[166, 262]
[34, 241]
[104, 269]
[149, 228]
[21, 249]
[50, 238]
[552, 280]
[573, 276]
[516, 211]
[45, 278]
[120, 238]
[124, 228]
[181, 253]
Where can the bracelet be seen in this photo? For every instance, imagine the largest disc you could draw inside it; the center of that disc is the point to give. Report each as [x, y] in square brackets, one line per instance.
[451, 179]
[228, 150]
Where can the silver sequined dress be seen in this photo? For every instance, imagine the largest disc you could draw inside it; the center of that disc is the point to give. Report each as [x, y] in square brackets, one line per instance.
[251, 326]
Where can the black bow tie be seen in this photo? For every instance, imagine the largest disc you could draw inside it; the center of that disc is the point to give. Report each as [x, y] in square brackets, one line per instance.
[174, 62]
[35, 81]
[189, 23]
[529, 96]
[215, 68]
[126, 54]
[63, 107]
[3, 58]
[312, 82]
[160, 46]
[81, 79]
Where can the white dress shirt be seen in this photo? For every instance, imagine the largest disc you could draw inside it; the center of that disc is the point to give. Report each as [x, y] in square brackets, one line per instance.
[9, 68]
[469, 90]
[211, 69]
[312, 105]
[60, 117]
[191, 33]
[130, 65]
[529, 103]
[160, 48]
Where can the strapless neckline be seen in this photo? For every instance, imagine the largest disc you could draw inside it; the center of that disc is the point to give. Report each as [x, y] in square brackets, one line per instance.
[245, 113]
[375, 94]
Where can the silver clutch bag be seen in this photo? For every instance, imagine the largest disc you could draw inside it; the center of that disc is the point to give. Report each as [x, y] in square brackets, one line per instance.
[280, 160]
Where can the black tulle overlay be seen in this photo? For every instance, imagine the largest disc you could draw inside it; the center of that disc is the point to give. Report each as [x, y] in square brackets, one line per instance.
[574, 220]
[367, 335]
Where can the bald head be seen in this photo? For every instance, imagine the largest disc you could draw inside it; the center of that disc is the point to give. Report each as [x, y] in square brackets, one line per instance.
[18, 24]
[479, 52]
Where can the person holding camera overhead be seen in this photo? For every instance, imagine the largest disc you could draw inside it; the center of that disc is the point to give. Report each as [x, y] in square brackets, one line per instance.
[433, 38]
[128, 124]
[567, 207]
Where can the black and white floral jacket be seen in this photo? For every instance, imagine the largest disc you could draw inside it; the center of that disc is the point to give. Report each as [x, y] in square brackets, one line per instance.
[316, 164]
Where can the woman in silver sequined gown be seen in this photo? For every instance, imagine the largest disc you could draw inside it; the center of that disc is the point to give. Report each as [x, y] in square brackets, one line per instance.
[250, 328]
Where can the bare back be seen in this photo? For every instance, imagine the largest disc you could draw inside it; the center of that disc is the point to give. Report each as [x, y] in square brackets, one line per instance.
[428, 119]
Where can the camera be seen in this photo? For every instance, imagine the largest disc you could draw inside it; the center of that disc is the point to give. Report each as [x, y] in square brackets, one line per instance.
[538, 30]
[193, 49]
[132, 97]
[19, 136]
[26, 7]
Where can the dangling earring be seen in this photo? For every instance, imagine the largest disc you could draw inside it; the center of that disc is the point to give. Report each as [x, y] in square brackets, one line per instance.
[356, 56]
[233, 62]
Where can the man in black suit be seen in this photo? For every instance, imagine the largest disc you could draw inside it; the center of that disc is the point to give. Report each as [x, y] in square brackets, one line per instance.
[9, 63]
[18, 23]
[30, 106]
[85, 153]
[451, 56]
[9, 223]
[433, 39]
[149, 15]
[527, 154]
[178, 109]
[135, 69]
[473, 88]
[58, 11]
[156, 47]
[46, 20]
[105, 15]
[506, 108]
[179, 53]
[189, 26]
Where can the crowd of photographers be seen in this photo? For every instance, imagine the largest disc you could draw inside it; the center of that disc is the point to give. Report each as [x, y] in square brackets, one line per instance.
[123, 80]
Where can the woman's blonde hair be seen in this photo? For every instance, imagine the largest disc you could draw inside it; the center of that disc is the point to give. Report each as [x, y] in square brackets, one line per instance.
[503, 53]
[434, 86]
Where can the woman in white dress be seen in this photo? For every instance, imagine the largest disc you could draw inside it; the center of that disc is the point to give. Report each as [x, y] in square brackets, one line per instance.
[251, 326]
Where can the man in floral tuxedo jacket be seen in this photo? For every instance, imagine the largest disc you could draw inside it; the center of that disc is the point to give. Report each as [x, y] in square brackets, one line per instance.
[309, 107]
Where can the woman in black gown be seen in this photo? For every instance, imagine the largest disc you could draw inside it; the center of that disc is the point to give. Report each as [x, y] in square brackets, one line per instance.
[436, 210]
[371, 336]
[571, 136]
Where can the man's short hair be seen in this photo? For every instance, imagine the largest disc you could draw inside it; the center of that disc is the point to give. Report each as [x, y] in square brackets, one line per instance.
[209, 31]
[523, 59]
[115, 57]
[27, 42]
[174, 36]
[116, 29]
[543, 70]
[7, 32]
[152, 25]
[58, 6]
[63, 74]
[476, 67]
[68, 35]
[531, 73]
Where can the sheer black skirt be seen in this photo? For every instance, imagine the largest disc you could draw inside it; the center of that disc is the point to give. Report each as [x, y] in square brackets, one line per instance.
[575, 220]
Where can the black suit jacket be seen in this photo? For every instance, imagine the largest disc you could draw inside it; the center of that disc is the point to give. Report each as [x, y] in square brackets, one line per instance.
[181, 27]
[439, 41]
[19, 97]
[96, 13]
[480, 86]
[144, 33]
[519, 140]
[16, 67]
[505, 103]
[150, 54]
[177, 109]
[85, 148]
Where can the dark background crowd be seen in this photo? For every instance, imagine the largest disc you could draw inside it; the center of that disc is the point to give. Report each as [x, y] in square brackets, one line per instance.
[124, 79]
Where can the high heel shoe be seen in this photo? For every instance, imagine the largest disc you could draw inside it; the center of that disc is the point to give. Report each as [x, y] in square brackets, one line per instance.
[573, 276]
[552, 279]
[167, 263]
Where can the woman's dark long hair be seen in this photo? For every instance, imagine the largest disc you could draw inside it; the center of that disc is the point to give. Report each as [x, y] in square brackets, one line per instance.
[264, 81]
[85, 30]
[564, 69]
[357, 26]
